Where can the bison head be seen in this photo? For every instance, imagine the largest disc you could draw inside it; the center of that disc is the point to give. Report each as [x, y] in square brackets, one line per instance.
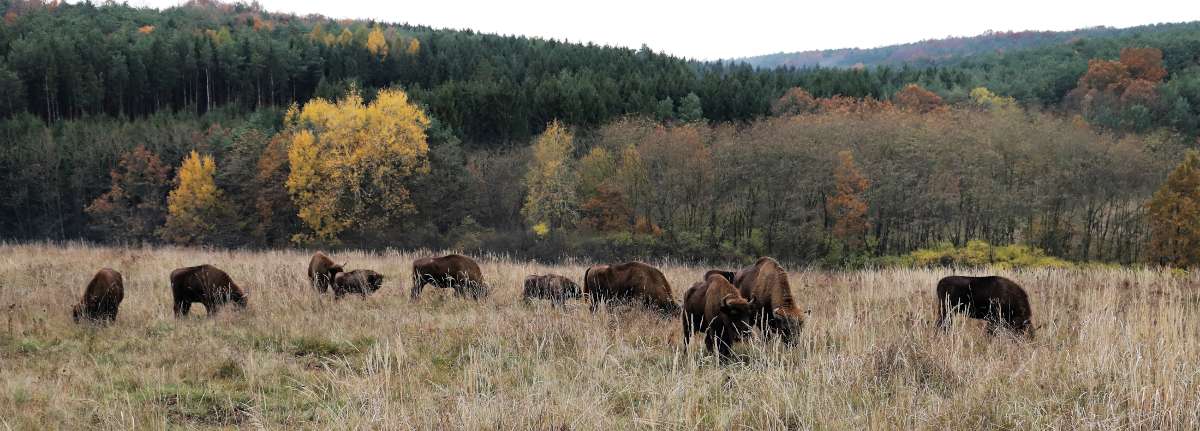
[789, 320]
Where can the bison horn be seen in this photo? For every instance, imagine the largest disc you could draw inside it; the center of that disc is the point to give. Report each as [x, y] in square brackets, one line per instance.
[725, 300]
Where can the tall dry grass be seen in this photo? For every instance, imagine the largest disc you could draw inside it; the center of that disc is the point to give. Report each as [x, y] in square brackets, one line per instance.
[1117, 350]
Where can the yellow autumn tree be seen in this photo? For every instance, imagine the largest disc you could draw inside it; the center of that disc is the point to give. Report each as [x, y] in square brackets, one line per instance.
[551, 202]
[985, 98]
[352, 163]
[377, 43]
[848, 205]
[195, 207]
[1174, 215]
[414, 46]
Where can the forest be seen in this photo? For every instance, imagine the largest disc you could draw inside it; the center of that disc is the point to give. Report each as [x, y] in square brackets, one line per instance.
[221, 124]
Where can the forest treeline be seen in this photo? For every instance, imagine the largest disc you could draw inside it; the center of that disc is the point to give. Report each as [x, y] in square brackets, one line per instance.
[221, 124]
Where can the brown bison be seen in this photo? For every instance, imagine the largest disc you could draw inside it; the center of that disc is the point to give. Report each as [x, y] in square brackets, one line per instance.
[360, 281]
[452, 271]
[207, 285]
[728, 275]
[997, 300]
[321, 271]
[629, 281]
[766, 284]
[101, 298]
[715, 307]
[556, 288]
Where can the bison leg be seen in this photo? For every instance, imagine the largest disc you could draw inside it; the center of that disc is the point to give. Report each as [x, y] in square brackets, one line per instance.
[417, 284]
[182, 308]
[687, 329]
[212, 308]
[724, 342]
[944, 318]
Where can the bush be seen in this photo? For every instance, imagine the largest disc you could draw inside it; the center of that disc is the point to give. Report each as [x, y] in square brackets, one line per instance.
[978, 253]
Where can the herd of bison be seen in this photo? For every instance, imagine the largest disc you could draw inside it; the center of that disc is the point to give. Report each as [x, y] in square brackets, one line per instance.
[725, 305]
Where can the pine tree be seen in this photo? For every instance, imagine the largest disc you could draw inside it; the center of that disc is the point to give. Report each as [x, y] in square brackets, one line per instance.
[690, 109]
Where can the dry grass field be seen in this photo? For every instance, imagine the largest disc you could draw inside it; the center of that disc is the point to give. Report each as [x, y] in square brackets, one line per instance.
[1116, 349]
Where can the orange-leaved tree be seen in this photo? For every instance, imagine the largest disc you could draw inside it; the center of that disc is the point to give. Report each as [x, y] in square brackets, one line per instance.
[848, 206]
[917, 99]
[1174, 215]
[196, 207]
[795, 101]
[135, 205]
[351, 164]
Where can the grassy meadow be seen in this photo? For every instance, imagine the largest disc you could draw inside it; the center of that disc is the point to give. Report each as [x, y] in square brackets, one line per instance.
[1115, 349]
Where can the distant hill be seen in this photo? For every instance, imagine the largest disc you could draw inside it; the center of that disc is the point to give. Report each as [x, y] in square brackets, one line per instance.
[938, 51]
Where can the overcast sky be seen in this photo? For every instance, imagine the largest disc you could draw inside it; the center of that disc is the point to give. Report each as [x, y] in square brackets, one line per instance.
[710, 30]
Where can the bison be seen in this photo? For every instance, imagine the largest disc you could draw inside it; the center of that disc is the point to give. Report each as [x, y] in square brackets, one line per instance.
[997, 300]
[728, 275]
[101, 298]
[714, 306]
[322, 270]
[629, 281]
[556, 288]
[360, 281]
[207, 285]
[766, 284]
[452, 271]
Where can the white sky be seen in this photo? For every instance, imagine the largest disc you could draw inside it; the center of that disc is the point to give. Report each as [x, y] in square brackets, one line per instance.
[709, 30]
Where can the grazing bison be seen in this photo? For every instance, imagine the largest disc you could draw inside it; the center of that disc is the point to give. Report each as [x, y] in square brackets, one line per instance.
[207, 285]
[101, 298]
[997, 300]
[452, 271]
[322, 270]
[718, 309]
[728, 275]
[628, 281]
[360, 281]
[766, 284]
[556, 288]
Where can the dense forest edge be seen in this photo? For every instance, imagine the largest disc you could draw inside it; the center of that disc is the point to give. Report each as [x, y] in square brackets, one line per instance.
[220, 124]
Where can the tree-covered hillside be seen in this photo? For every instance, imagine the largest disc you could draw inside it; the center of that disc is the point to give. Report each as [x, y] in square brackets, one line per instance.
[222, 124]
[950, 49]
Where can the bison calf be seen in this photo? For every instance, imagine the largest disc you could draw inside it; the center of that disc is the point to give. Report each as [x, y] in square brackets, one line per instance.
[996, 300]
[718, 309]
[360, 281]
[101, 298]
[207, 285]
[556, 288]
[321, 271]
[452, 271]
[629, 281]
